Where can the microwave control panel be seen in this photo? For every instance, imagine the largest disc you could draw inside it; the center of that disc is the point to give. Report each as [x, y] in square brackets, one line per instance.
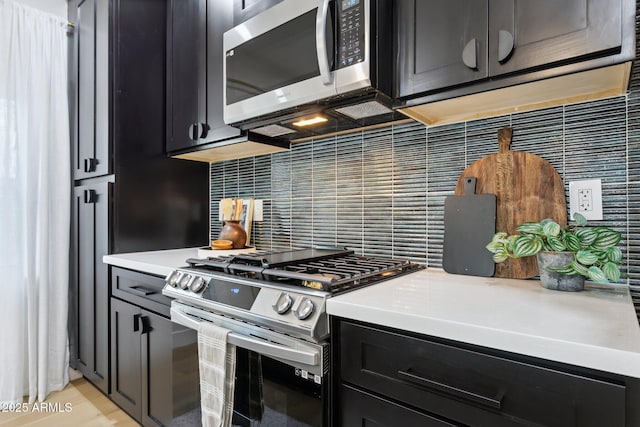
[351, 38]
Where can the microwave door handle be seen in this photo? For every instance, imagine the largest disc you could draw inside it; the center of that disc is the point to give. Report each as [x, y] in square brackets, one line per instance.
[321, 42]
[259, 346]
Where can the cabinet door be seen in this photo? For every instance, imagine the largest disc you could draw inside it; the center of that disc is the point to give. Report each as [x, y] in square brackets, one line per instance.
[125, 357]
[219, 20]
[441, 43]
[195, 105]
[358, 408]
[90, 291]
[186, 78]
[525, 34]
[170, 381]
[91, 52]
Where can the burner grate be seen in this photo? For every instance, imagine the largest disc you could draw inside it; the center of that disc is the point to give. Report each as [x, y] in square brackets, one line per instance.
[333, 270]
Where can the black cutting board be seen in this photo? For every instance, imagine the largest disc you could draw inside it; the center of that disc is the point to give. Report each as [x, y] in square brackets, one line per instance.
[469, 224]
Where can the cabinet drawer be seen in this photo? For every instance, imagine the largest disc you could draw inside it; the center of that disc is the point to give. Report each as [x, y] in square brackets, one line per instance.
[471, 387]
[141, 289]
[364, 409]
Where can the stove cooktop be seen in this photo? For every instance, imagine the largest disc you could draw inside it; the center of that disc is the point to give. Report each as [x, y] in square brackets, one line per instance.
[331, 270]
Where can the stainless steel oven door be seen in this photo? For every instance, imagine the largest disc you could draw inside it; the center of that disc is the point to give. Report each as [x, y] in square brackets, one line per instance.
[280, 380]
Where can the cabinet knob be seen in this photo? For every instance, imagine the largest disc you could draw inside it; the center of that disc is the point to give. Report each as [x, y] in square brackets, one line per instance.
[146, 325]
[505, 45]
[90, 164]
[470, 54]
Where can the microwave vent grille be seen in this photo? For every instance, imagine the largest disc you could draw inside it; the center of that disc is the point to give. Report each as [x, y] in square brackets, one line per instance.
[364, 110]
[273, 130]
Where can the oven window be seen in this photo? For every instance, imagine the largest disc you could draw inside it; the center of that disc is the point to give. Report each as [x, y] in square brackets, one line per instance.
[277, 58]
[269, 393]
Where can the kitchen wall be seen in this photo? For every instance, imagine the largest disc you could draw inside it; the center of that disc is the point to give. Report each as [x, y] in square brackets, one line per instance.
[56, 7]
[381, 192]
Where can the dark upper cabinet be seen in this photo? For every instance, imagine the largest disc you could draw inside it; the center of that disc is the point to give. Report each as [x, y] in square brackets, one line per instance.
[448, 43]
[88, 308]
[524, 34]
[194, 78]
[442, 43]
[90, 89]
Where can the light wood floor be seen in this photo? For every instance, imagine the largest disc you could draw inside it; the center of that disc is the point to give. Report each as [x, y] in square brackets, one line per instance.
[88, 407]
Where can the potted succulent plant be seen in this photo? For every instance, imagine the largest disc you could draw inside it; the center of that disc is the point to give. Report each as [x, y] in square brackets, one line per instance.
[566, 255]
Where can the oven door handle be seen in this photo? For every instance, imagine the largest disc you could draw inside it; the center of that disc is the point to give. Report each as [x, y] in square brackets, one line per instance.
[252, 343]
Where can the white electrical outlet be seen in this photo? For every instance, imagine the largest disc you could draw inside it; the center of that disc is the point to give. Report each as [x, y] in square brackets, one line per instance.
[585, 197]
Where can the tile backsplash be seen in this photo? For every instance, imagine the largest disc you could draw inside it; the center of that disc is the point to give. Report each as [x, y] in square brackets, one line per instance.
[382, 191]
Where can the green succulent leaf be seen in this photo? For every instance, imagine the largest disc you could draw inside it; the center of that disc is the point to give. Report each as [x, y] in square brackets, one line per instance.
[586, 235]
[565, 269]
[606, 239]
[614, 255]
[526, 245]
[531, 228]
[493, 247]
[551, 228]
[572, 242]
[499, 236]
[579, 268]
[580, 219]
[596, 275]
[586, 257]
[555, 244]
[500, 255]
[611, 271]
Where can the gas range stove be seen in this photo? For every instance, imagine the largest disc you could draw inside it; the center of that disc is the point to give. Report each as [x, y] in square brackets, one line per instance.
[284, 291]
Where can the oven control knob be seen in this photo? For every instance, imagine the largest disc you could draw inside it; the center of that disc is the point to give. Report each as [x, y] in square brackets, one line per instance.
[173, 278]
[304, 309]
[184, 281]
[197, 284]
[283, 303]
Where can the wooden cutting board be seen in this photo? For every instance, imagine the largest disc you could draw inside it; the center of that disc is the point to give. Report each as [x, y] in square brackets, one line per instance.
[527, 188]
[469, 222]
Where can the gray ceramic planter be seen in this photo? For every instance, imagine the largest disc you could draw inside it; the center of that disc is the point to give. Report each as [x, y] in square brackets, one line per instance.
[556, 281]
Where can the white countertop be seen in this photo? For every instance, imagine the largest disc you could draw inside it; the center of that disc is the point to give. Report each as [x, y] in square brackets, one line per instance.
[160, 263]
[596, 328]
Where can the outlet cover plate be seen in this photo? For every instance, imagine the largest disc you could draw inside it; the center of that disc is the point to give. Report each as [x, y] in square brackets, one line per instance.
[585, 196]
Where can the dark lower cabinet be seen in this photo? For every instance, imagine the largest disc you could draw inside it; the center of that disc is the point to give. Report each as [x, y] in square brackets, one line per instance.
[154, 362]
[389, 377]
[89, 296]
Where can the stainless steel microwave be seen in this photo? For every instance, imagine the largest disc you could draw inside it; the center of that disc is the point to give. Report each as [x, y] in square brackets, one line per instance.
[307, 52]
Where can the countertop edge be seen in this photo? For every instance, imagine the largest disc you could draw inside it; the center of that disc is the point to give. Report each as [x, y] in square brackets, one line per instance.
[600, 358]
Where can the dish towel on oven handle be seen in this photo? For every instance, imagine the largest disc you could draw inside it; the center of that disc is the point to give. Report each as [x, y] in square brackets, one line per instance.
[217, 360]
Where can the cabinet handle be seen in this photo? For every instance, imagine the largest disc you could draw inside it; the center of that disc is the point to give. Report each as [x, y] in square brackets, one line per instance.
[470, 54]
[146, 325]
[194, 131]
[90, 164]
[505, 45]
[90, 196]
[410, 377]
[141, 290]
[204, 130]
[136, 322]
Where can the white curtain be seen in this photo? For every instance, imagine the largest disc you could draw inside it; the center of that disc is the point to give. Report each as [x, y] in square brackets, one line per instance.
[34, 203]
